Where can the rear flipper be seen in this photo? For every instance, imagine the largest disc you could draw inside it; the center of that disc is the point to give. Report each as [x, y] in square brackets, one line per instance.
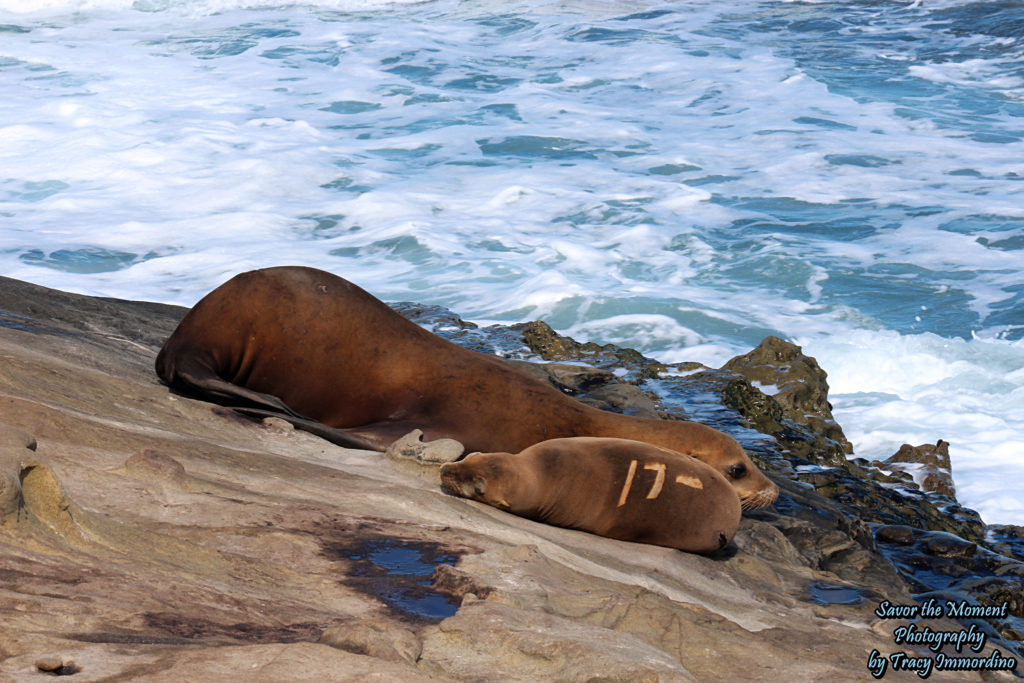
[340, 437]
[195, 379]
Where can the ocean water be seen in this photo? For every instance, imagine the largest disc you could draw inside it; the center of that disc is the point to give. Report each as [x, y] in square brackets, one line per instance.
[683, 178]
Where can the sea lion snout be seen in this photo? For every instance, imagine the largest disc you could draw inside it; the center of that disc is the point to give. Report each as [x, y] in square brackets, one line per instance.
[760, 498]
[456, 481]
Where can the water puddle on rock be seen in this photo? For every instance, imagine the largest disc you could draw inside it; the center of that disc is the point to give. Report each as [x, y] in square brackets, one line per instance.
[16, 322]
[833, 594]
[400, 573]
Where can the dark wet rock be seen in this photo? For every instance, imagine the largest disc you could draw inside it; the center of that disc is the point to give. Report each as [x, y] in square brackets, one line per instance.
[826, 537]
[928, 466]
[949, 569]
[799, 387]
[767, 415]
[1006, 539]
[795, 381]
[880, 504]
[622, 398]
[496, 340]
[540, 338]
[575, 380]
[593, 386]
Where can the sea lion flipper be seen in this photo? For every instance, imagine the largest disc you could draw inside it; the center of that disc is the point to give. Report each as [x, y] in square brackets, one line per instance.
[378, 436]
[192, 377]
[339, 437]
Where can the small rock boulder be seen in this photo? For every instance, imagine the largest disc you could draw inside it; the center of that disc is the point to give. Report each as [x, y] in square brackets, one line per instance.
[797, 383]
[928, 464]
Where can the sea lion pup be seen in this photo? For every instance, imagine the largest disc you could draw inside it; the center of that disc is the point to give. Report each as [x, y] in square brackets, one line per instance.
[316, 349]
[619, 488]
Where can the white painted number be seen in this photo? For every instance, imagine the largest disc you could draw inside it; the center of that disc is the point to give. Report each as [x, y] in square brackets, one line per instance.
[659, 481]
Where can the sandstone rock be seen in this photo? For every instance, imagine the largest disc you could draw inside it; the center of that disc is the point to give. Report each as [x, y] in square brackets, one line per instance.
[436, 452]
[15, 439]
[491, 641]
[57, 665]
[151, 537]
[376, 638]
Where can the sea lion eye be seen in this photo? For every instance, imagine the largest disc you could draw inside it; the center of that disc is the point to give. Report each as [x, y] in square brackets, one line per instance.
[738, 471]
[479, 485]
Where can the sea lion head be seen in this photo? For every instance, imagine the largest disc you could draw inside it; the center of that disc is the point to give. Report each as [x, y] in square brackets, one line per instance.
[490, 478]
[752, 486]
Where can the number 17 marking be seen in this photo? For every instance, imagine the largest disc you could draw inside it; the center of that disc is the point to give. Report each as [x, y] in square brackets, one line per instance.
[659, 481]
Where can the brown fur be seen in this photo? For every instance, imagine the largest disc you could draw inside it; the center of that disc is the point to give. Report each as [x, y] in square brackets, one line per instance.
[338, 362]
[618, 488]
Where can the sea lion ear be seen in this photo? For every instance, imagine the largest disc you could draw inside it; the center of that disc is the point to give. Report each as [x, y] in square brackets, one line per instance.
[479, 485]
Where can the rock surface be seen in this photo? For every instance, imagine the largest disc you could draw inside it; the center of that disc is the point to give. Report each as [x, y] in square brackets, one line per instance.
[147, 536]
[928, 465]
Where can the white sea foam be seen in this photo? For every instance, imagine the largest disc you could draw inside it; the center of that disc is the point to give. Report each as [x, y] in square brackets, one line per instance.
[889, 389]
[197, 8]
[684, 181]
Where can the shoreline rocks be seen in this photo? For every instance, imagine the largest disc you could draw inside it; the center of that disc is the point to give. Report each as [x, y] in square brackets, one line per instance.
[780, 392]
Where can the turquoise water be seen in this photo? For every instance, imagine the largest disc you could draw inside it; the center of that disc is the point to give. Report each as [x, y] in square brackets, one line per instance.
[683, 178]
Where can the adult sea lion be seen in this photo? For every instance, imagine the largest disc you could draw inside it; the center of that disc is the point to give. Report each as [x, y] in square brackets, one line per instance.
[308, 345]
[619, 488]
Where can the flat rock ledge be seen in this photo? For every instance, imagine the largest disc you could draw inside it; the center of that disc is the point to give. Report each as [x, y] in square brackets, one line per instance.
[147, 536]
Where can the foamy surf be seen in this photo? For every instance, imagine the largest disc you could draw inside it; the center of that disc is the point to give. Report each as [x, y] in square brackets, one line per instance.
[680, 179]
[890, 389]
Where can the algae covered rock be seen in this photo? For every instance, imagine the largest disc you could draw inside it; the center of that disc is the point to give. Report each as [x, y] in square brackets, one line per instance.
[797, 384]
